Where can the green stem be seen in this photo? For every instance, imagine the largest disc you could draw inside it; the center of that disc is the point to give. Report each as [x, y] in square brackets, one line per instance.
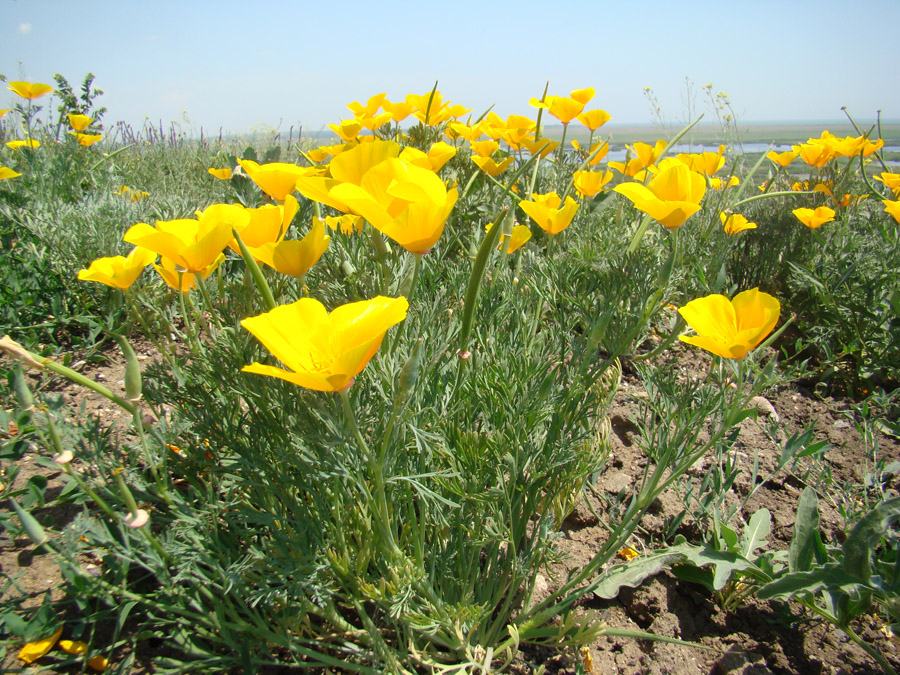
[256, 273]
[188, 320]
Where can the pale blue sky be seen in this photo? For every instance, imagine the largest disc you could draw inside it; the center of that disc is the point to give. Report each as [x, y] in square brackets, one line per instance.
[273, 63]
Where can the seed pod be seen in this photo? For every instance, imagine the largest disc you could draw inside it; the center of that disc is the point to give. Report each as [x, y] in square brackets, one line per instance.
[132, 371]
[30, 524]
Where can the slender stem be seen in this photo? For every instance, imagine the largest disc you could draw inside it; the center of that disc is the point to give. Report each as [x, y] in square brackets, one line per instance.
[256, 273]
[188, 320]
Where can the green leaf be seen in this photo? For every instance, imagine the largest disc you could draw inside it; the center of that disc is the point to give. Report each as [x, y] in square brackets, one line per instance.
[828, 578]
[866, 535]
[755, 533]
[806, 525]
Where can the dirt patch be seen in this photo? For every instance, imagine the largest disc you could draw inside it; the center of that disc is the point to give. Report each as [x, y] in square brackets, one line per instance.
[757, 637]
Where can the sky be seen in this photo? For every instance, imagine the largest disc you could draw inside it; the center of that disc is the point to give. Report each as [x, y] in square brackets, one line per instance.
[273, 64]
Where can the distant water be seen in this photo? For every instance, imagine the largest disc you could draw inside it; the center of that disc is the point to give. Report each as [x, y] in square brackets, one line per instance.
[617, 154]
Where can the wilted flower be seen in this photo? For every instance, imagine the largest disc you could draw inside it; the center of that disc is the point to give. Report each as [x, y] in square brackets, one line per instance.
[670, 198]
[731, 328]
[32, 651]
[323, 351]
[549, 212]
[118, 271]
[735, 222]
[814, 218]
[589, 183]
[79, 122]
[221, 174]
[6, 172]
[29, 90]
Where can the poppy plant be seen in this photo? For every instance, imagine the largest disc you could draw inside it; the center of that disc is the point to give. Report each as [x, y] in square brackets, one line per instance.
[735, 222]
[86, 139]
[221, 174]
[670, 198]
[6, 172]
[814, 218]
[323, 351]
[79, 122]
[520, 235]
[730, 328]
[549, 212]
[276, 179]
[28, 143]
[295, 258]
[783, 158]
[118, 271]
[589, 183]
[29, 90]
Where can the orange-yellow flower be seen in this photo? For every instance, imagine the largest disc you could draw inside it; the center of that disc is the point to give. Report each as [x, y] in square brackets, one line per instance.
[814, 218]
[438, 155]
[645, 155]
[601, 148]
[520, 235]
[28, 143]
[783, 158]
[348, 223]
[191, 244]
[890, 180]
[670, 198]
[132, 194]
[6, 172]
[594, 119]
[731, 328]
[543, 146]
[589, 183]
[490, 166]
[221, 174]
[168, 270]
[323, 351]
[118, 271]
[549, 212]
[4, 111]
[348, 130]
[735, 222]
[565, 108]
[815, 154]
[407, 203]
[29, 90]
[267, 224]
[485, 148]
[292, 257]
[706, 163]
[79, 122]
[86, 139]
[276, 179]
[892, 207]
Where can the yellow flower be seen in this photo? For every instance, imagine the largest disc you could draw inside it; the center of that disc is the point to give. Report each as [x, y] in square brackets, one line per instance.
[815, 154]
[75, 647]
[431, 109]
[348, 130]
[890, 180]
[783, 158]
[491, 167]
[399, 111]
[670, 198]
[28, 143]
[594, 119]
[267, 224]
[485, 148]
[79, 122]
[407, 203]
[323, 351]
[191, 244]
[735, 223]
[118, 271]
[893, 208]
[4, 111]
[546, 211]
[32, 651]
[169, 272]
[29, 90]
[544, 146]
[563, 108]
[438, 155]
[221, 174]
[706, 163]
[348, 224]
[6, 172]
[601, 148]
[86, 139]
[134, 195]
[589, 183]
[292, 257]
[814, 218]
[730, 328]
[645, 156]
[520, 235]
[98, 663]
[276, 179]
[457, 130]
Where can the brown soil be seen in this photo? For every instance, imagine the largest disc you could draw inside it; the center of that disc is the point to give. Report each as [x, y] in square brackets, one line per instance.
[757, 637]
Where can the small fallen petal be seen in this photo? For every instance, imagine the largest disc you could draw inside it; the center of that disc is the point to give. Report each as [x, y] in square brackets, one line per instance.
[98, 663]
[137, 519]
[32, 651]
[64, 457]
[76, 647]
[17, 351]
